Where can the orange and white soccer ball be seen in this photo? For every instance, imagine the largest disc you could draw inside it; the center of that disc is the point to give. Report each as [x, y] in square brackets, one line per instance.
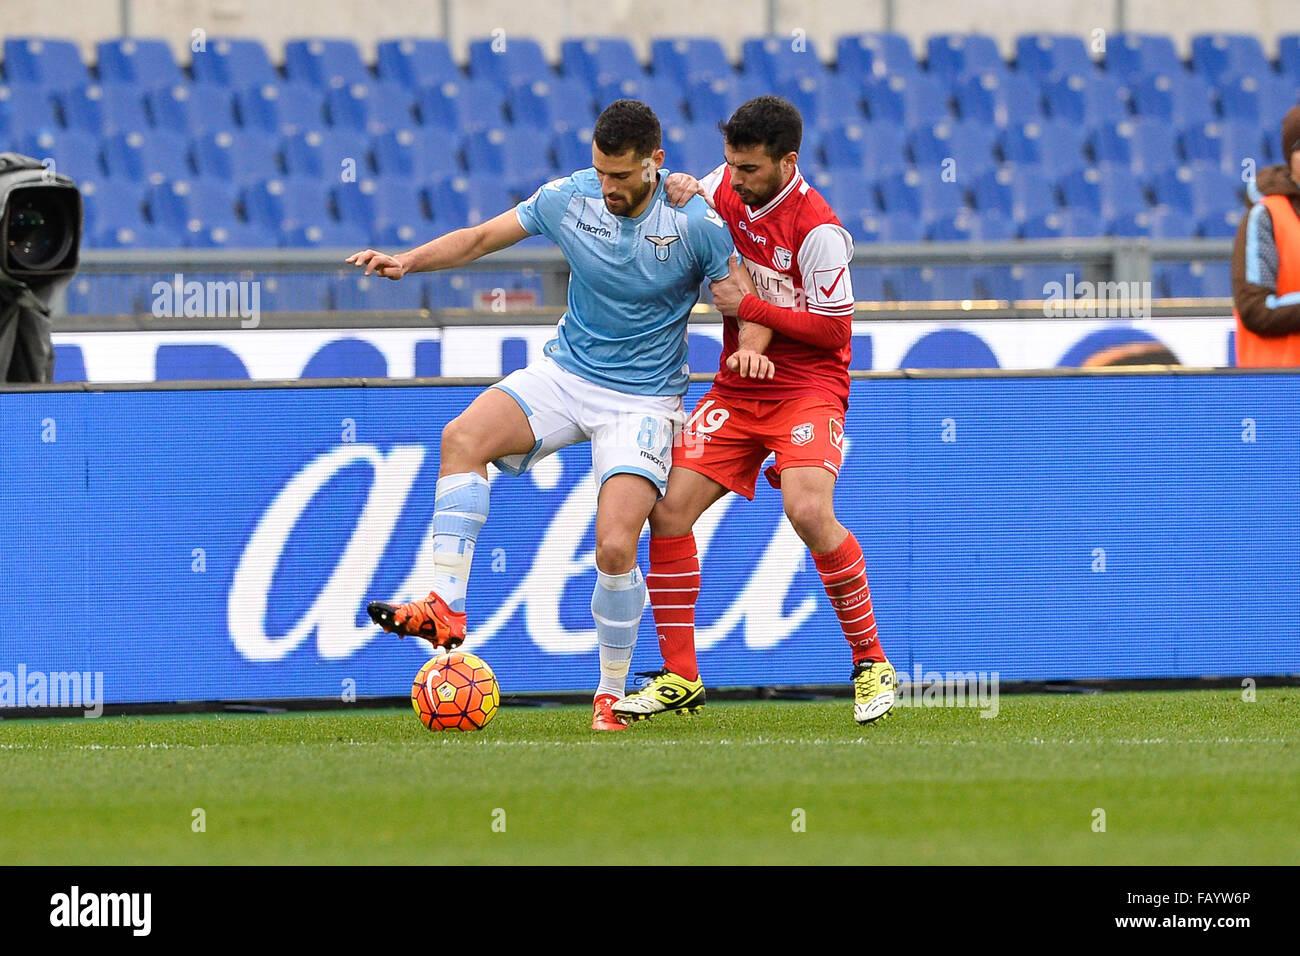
[455, 691]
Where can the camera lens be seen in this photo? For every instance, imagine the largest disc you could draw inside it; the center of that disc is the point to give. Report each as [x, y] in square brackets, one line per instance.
[38, 231]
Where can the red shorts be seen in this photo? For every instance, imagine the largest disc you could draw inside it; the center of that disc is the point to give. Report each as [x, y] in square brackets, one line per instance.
[727, 439]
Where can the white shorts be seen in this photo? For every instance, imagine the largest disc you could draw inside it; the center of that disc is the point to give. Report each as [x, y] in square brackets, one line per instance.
[629, 434]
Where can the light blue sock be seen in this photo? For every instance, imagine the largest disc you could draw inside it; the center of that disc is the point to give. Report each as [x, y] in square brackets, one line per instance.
[460, 509]
[616, 605]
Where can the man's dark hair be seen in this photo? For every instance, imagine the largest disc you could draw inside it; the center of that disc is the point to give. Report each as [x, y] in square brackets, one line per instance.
[766, 121]
[627, 124]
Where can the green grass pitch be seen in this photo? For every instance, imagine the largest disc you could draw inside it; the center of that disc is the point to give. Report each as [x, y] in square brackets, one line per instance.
[1188, 777]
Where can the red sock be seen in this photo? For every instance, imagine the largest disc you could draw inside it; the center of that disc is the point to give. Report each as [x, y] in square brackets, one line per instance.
[674, 584]
[844, 575]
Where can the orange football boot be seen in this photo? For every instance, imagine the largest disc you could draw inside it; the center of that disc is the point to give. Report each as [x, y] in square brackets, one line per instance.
[602, 718]
[430, 619]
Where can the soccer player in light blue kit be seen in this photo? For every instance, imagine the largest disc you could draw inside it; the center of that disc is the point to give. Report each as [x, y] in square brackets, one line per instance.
[614, 375]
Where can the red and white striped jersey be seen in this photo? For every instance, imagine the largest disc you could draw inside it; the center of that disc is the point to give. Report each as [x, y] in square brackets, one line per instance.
[798, 255]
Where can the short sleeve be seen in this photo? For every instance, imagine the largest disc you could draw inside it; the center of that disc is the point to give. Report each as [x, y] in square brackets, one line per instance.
[541, 212]
[824, 261]
[710, 241]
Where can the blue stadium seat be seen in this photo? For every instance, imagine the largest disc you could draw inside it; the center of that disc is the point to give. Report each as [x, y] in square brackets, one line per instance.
[1219, 55]
[964, 148]
[140, 62]
[912, 194]
[296, 292]
[72, 152]
[1221, 225]
[996, 282]
[1166, 223]
[551, 104]
[998, 99]
[695, 148]
[830, 102]
[1225, 145]
[283, 205]
[1175, 280]
[192, 108]
[1056, 145]
[147, 156]
[510, 153]
[1090, 100]
[424, 153]
[867, 55]
[468, 200]
[109, 203]
[1242, 97]
[515, 59]
[1067, 223]
[102, 110]
[713, 100]
[572, 150]
[773, 60]
[49, 62]
[661, 94]
[952, 55]
[281, 109]
[463, 106]
[1106, 190]
[909, 283]
[242, 157]
[1034, 281]
[324, 154]
[597, 61]
[1180, 99]
[324, 62]
[179, 203]
[873, 148]
[1013, 192]
[357, 292]
[325, 235]
[26, 109]
[372, 201]
[1131, 54]
[969, 224]
[863, 227]
[954, 283]
[1198, 190]
[1043, 54]
[1154, 147]
[850, 192]
[413, 63]
[910, 100]
[1288, 56]
[233, 236]
[683, 59]
[370, 107]
[115, 235]
[233, 62]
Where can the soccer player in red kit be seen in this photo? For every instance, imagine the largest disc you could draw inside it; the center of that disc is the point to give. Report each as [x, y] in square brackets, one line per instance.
[782, 387]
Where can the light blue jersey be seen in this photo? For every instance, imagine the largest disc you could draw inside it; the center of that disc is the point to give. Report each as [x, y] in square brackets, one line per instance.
[632, 282]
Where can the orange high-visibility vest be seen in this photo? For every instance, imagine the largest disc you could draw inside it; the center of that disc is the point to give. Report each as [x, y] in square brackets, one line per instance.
[1283, 350]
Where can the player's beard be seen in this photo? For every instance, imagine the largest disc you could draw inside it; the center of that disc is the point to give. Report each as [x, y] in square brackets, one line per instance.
[622, 208]
[757, 200]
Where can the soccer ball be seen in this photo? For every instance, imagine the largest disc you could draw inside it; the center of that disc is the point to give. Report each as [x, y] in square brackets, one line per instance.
[455, 691]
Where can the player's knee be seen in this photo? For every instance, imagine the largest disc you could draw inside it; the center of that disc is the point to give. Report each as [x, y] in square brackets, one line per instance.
[810, 517]
[615, 552]
[459, 447]
[669, 519]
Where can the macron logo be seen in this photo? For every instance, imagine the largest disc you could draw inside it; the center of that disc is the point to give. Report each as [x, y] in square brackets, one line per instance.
[600, 232]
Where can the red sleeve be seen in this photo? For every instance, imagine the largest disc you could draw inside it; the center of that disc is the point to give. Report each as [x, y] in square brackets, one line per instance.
[812, 328]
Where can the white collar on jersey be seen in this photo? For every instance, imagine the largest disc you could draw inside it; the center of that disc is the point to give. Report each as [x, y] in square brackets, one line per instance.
[775, 201]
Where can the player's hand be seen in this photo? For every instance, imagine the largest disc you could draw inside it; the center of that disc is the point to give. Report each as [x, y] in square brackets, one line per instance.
[728, 292]
[680, 187]
[750, 364]
[377, 263]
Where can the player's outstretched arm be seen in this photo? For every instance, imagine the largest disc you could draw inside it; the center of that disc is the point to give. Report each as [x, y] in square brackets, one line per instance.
[447, 251]
[680, 187]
